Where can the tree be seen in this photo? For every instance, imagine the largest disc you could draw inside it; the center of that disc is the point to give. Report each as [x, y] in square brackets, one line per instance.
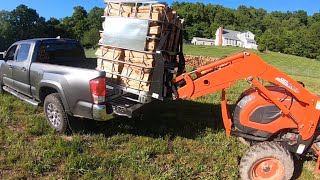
[4, 30]
[288, 32]
[91, 38]
[54, 28]
[94, 18]
[26, 22]
[21, 23]
[77, 24]
[262, 48]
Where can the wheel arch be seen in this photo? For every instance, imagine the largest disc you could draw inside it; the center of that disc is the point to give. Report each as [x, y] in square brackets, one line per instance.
[49, 87]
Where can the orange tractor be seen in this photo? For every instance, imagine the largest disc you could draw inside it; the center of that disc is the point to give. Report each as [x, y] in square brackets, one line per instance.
[280, 120]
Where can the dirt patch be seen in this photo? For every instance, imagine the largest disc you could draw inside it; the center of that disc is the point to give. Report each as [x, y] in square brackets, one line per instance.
[193, 62]
[17, 128]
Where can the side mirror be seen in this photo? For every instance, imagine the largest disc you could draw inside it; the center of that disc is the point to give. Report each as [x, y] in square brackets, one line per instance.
[2, 55]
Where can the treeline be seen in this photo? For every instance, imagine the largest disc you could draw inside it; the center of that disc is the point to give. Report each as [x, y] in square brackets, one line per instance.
[25, 23]
[287, 32]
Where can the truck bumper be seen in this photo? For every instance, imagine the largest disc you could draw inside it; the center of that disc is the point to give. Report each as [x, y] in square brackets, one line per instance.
[99, 113]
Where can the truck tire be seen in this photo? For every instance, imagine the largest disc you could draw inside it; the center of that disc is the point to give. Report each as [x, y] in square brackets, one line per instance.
[1, 89]
[267, 160]
[56, 116]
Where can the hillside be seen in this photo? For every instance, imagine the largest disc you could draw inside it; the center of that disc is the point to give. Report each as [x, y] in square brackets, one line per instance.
[173, 140]
[300, 68]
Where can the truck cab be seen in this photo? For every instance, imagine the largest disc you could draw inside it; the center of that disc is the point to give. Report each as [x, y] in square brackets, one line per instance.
[15, 72]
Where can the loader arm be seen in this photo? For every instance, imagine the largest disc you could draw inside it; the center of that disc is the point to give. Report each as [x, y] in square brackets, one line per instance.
[223, 74]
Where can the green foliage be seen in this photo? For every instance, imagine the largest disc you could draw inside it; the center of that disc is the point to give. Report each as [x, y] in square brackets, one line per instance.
[25, 23]
[21, 23]
[286, 32]
[262, 48]
[90, 38]
[94, 18]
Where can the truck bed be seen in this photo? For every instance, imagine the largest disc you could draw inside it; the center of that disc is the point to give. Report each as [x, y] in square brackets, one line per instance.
[87, 63]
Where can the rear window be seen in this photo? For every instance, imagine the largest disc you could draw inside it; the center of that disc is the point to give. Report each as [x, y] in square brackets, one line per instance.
[56, 52]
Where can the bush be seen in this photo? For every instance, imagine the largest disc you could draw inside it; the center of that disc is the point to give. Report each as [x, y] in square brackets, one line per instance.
[262, 48]
[90, 38]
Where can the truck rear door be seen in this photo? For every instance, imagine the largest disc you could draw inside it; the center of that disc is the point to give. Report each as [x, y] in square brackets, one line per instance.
[20, 69]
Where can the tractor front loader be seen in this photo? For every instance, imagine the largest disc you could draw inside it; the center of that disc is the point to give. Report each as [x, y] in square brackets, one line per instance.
[279, 120]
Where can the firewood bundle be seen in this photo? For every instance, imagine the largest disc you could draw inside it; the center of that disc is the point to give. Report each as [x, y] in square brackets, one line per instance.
[134, 68]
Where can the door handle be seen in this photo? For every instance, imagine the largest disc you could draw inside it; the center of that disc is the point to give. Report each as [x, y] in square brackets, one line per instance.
[10, 66]
[23, 69]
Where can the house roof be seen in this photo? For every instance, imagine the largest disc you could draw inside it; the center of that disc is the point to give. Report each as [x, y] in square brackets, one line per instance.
[230, 34]
[247, 32]
[203, 39]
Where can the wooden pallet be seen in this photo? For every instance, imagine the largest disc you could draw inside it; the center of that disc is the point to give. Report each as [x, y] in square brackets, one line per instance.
[135, 74]
[135, 67]
[109, 60]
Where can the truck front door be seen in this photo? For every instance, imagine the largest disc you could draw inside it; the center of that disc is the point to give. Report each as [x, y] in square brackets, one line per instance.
[7, 67]
[20, 69]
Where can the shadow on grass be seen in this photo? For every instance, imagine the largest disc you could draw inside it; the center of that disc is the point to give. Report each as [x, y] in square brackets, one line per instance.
[298, 166]
[169, 118]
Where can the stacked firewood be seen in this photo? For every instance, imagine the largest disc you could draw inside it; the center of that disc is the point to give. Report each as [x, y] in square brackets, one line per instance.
[193, 62]
[134, 69]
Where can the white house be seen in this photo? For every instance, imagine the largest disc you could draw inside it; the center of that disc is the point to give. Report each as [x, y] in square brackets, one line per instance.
[235, 38]
[202, 41]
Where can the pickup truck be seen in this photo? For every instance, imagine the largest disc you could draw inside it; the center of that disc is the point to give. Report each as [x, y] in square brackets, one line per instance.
[54, 73]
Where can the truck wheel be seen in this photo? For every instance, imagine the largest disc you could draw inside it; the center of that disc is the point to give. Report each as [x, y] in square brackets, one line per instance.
[55, 114]
[267, 160]
[1, 90]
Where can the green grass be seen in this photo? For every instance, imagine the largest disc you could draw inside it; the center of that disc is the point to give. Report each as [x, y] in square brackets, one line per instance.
[174, 139]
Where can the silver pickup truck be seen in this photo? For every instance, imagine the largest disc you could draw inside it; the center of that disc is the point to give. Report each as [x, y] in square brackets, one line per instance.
[55, 74]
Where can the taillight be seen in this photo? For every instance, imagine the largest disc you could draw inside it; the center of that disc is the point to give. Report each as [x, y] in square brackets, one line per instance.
[98, 90]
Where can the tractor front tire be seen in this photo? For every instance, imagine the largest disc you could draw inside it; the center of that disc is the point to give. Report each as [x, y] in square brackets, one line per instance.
[267, 160]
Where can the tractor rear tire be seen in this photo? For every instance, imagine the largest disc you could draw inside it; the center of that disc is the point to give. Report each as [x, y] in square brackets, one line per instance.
[267, 160]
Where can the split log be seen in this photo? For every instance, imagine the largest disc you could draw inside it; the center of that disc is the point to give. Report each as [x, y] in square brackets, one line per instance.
[136, 74]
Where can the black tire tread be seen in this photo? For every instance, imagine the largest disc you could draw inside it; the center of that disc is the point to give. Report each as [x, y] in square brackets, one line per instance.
[263, 150]
[55, 98]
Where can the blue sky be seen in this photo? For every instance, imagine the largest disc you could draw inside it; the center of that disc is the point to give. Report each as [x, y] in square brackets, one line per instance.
[62, 8]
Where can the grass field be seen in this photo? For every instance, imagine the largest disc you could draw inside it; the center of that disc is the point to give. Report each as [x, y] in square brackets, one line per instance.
[174, 140]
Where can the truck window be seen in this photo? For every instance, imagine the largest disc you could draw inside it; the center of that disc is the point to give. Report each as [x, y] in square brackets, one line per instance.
[10, 53]
[58, 53]
[23, 52]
